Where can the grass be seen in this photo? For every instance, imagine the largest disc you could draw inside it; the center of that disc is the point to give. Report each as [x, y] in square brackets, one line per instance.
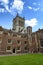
[27, 59]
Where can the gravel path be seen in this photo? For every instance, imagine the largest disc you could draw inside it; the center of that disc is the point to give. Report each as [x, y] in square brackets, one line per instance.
[13, 54]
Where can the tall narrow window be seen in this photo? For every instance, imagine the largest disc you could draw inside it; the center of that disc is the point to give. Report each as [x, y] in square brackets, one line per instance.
[18, 48]
[25, 48]
[41, 42]
[25, 42]
[9, 41]
[0, 39]
[18, 41]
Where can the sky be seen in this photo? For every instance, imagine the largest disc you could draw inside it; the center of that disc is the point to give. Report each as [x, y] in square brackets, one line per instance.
[31, 10]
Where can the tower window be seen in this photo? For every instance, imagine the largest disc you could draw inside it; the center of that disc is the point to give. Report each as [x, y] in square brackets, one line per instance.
[19, 29]
[29, 31]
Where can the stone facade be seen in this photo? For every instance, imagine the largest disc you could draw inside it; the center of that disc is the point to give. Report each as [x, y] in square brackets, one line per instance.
[20, 39]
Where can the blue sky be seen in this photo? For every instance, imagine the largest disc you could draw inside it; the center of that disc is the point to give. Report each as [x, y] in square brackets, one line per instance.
[32, 10]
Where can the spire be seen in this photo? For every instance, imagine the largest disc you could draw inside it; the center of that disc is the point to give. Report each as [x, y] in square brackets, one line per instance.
[17, 13]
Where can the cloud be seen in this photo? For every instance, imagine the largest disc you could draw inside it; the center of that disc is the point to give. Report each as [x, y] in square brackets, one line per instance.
[5, 1]
[7, 8]
[33, 8]
[2, 10]
[36, 6]
[36, 9]
[30, 7]
[5, 5]
[34, 3]
[18, 4]
[31, 22]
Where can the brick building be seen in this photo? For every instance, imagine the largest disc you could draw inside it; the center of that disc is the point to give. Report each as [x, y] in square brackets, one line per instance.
[20, 39]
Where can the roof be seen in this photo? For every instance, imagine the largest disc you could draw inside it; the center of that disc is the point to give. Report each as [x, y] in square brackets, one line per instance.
[1, 29]
[19, 17]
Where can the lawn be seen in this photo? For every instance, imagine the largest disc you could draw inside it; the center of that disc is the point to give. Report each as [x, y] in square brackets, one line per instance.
[26, 59]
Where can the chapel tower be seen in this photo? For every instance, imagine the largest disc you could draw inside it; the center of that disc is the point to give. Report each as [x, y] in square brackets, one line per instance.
[18, 23]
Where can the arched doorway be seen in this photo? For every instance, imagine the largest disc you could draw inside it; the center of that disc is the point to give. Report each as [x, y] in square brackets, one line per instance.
[13, 50]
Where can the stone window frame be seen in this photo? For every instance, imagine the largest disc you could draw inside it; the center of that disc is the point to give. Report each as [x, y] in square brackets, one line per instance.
[19, 41]
[25, 42]
[18, 48]
[8, 47]
[8, 50]
[41, 42]
[25, 48]
[9, 42]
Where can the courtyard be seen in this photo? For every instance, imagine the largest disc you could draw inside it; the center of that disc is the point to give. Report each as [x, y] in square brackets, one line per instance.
[21, 59]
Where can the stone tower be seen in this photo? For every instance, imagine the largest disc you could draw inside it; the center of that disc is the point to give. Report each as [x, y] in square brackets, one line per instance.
[29, 32]
[18, 23]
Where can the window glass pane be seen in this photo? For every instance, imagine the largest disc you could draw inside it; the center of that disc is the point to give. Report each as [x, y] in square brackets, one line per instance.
[9, 48]
[41, 42]
[9, 40]
[18, 48]
[26, 48]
